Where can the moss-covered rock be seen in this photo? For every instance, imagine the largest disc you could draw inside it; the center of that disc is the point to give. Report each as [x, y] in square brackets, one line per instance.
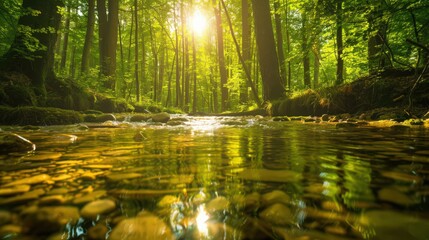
[38, 116]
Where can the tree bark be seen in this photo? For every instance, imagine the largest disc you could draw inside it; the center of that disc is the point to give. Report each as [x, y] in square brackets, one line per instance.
[305, 50]
[88, 37]
[108, 37]
[221, 59]
[65, 40]
[245, 46]
[268, 60]
[38, 64]
[279, 38]
[136, 52]
[340, 61]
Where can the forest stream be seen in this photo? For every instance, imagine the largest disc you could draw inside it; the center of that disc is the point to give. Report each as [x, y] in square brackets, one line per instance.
[216, 178]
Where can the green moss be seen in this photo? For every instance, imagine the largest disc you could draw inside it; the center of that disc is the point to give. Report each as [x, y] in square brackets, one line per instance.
[38, 116]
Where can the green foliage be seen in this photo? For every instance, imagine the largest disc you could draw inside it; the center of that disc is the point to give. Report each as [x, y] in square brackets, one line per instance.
[9, 14]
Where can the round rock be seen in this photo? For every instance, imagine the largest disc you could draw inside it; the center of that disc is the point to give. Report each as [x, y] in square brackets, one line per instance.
[95, 208]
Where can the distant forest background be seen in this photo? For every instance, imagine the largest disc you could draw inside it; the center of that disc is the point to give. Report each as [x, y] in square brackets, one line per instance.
[208, 55]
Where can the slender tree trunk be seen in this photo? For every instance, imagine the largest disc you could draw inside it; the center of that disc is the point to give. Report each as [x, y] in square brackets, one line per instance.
[65, 40]
[186, 74]
[289, 67]
[340, 61]
[155, 63]
[279, 38]
[72, 63]
[88, 37]
[305, 51]
[245, 46]
[161, 69]
[376, 35]
[221, 59]
[194, 71]
[136, 53]
[268, 61]
[178, 90]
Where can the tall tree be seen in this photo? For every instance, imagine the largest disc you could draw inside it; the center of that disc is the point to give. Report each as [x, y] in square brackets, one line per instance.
[339, 26]
[136, 52]
[88, 36]
[65, 39]
[268, 61]
[221, 58]
[108, 37]
[246, 45]
[305, 45]
[279, 38]
[34, 55]
[377, 28]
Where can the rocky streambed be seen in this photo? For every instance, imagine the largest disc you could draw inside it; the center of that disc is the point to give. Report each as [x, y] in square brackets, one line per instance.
[215, 178]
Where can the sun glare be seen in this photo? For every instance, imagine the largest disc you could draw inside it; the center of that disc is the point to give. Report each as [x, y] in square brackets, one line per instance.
[198, 23]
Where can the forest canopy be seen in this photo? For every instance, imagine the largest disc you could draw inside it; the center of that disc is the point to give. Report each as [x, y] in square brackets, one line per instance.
[209, 55]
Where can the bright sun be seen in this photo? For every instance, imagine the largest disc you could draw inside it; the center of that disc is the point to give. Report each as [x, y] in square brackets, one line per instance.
[198, 23]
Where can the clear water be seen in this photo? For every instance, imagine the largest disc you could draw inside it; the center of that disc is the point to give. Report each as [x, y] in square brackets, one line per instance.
[341, 183]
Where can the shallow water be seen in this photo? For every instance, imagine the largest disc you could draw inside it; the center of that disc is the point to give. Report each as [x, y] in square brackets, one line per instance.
[220, 178]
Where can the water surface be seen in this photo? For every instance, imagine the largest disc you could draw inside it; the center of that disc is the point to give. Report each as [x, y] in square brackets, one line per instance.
[220, 178]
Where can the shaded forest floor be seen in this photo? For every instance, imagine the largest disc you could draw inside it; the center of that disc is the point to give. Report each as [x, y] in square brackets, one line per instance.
[396, 95]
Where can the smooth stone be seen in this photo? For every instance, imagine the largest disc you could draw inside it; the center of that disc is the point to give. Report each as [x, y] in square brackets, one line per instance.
[46, 220]
[143, 227]
[52, 200]
[5, 217]
[88, 176]
[275, 196]
[89, 197]
[161, 117]
[386, 224]
[265, 175]
[58, 191]
[325, 117]
[277, 214]
[168, 201]
[393, 195]
[249, 202]
[6, 231]
[43, 157]
[15, 143]
[61, 177]
[98, 232]
[30, 180]
[99, 207]
[98, 166]
[24, 198]
[217, 204]
[14, 190]
[123, 176]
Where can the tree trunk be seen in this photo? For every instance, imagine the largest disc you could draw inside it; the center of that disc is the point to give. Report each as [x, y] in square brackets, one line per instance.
[65, 40]
[176, 50]
[376, 35]
[36, 64]
[268, 61]
[289, 67]
[136, 52]
[221, 58]
[88, 37]
[305, 51]
[194, 71]
[108, 37]
[340, 61]
[245, 46]
[279, 38]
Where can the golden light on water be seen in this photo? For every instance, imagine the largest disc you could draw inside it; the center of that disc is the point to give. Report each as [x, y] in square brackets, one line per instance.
[201, 220]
